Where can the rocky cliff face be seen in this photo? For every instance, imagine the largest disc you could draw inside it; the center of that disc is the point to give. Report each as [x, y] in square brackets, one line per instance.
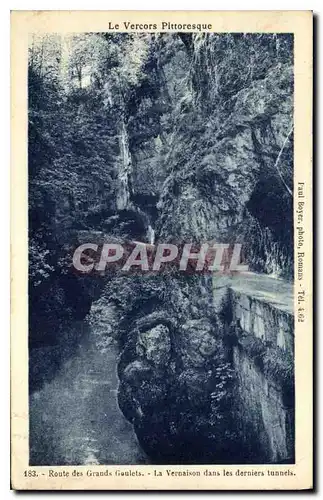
[232, 123]
[262, 354]
[201, 150]
[265, 411]
[224, 116]
[175, 378]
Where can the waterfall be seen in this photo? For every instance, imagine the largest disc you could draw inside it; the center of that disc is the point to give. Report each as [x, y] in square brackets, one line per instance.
[124, 171]
[151, 235]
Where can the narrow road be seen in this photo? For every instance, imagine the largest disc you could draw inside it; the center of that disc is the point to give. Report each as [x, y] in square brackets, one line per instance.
[274, 291]
[75, 419]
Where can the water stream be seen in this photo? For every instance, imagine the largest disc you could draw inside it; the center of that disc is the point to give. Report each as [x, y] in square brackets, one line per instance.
[75, 418]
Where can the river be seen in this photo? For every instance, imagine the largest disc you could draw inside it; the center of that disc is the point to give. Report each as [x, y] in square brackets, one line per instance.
[75, 418]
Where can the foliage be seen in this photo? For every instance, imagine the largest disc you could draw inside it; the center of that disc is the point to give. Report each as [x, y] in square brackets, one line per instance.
[253, 346]
[74, 130]
[279, 366]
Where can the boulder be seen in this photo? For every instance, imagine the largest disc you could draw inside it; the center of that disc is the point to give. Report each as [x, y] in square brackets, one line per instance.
[155, 345]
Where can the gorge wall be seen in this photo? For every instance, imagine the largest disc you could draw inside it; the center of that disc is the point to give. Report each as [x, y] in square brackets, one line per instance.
[262, 356]
[176, 139]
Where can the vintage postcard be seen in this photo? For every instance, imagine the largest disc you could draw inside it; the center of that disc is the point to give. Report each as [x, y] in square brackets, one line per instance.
[161, 250]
